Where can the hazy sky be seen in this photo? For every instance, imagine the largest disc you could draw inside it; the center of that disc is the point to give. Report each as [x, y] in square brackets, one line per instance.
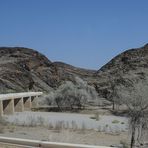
[84, 33]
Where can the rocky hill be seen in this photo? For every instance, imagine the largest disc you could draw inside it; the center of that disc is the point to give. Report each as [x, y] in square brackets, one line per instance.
[23, 69]
[128, 68]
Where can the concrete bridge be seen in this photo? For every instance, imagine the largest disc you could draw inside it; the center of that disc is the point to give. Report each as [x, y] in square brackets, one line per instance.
[18, 102]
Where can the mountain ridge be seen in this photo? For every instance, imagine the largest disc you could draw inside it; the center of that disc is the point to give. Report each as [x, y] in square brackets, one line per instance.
[24, 69]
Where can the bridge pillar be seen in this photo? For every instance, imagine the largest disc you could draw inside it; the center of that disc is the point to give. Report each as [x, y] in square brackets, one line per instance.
[27, 103]
[34, 101]
[1, 108]
[18, 105]
[8, 106]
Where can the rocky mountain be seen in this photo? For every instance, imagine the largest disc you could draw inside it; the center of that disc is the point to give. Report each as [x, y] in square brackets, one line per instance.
[23, 69]
[127, 68]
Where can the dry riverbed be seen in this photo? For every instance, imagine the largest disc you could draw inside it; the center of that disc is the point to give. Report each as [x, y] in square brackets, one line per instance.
[105, 123]
[92, 129]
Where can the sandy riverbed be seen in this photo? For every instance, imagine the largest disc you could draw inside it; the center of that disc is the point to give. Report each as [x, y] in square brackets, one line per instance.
[67, 127]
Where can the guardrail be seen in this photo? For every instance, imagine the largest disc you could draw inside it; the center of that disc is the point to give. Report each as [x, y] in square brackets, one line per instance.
[44, 144]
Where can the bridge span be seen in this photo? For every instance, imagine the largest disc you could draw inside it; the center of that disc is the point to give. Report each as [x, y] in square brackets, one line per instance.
[18, 102]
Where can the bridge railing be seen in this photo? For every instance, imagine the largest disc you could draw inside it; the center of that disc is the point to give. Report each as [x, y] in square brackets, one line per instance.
[44, 144]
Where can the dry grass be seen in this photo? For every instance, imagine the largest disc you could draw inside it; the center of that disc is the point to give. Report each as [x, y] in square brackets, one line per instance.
[57, 126]
[3, 124]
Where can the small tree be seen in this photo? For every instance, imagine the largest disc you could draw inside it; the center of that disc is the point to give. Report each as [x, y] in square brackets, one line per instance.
[65, 95]
[113, 95]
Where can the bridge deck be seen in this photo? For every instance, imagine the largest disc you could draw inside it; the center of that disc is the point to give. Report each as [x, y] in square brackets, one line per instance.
[19, 95]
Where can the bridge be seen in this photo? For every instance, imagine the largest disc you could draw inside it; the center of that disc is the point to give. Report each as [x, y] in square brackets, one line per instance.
[18, 102]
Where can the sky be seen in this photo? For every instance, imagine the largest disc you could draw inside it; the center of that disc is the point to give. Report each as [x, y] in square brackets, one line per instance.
[83, 33]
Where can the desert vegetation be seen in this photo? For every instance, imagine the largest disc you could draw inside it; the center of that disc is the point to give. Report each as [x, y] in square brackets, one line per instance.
[76, 96]
[72, 95]
[79, 96]
[127, 97]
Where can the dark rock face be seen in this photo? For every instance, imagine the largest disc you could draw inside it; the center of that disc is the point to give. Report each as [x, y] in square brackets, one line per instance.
[128, 68]
[23, 69]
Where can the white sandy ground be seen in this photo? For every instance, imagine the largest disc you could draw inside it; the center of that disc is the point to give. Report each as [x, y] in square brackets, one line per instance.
[85, 130]
[106, 122]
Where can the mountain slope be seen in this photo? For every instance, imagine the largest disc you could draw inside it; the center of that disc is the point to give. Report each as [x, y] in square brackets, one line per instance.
[23, 69]
[128, 68]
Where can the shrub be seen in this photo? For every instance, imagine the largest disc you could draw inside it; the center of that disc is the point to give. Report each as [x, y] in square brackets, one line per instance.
[71, 95]
[96, 116]
[115, 121]
[93, 118]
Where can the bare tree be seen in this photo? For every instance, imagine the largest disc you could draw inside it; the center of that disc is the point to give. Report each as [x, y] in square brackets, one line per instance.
[113, 95]
[136, 100]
